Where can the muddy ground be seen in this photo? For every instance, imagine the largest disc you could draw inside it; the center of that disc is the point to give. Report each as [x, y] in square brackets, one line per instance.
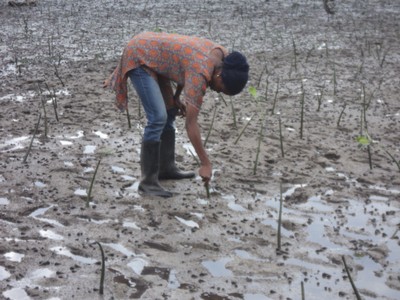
[344, 68]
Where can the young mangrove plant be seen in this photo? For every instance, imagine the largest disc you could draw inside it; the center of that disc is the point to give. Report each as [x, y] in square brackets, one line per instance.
[366, 141]
[302, 110]
[281, 137]
[128, 117]
[351, 279]
[341, 114]
[275, 98]
[103, 270]
[89, 194]
[303, 297]
[244, 128]
[260, 138]
[278, 236]
[394, 160]
[33, 137]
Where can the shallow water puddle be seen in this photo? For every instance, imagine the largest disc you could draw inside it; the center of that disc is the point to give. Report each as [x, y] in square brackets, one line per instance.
[232, 203]
[14, 256]
[14, 144]
[51, 235]
[371, 221]
[16, 294]
[4, 201]
[101, 134]
[122, 249]
[173, 282]
[66, 252]
[217, 268]
[89, 149]
[66, 143]
[40, 211]
[130, 224]
[80, 192]
[40, 184]
[255, 297]
[137, 265]
[116, 169]
[4, 274]
[188, 223]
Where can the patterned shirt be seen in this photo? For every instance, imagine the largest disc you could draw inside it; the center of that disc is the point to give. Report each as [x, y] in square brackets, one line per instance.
[182, 59]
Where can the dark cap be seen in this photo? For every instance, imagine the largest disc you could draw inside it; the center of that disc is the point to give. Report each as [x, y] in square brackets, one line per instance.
[235, 72]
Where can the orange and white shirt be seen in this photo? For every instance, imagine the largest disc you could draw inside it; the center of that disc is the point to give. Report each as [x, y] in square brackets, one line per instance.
[178, 58]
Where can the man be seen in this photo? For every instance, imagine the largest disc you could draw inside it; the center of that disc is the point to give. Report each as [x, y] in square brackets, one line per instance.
[152, 61]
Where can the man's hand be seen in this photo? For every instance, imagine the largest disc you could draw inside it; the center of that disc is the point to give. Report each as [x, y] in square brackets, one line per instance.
[180, 106]
[205, 173]
[106, 83]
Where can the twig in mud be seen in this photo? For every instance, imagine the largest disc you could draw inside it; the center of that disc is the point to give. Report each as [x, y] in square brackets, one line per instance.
[103, 269]
[33, 137]
[351, 280]
[244, 128]
[91, 184]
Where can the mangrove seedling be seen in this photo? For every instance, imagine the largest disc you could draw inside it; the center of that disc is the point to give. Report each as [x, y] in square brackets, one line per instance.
[351, 279]
[279, 249]
[33, 137]
[366, 141]
[103, 269]
[89, 194]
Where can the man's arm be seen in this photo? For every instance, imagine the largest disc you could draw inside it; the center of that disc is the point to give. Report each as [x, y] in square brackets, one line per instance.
[193, 132]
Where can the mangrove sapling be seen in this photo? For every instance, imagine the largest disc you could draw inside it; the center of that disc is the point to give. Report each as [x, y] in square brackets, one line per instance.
[43, 101]
[394, 160]
[244, 128]
[351, 279]
[260, 138]
[341, 114]
[233, 113]
[320, 94]
[303, 297]
[53, 100]
[294, 54]
[275, 98]
[89, 194]
[128, 117]
[278, 236]
[33, 137]
[365, 141]
[302, 110]
[281, 137]
[103, 269]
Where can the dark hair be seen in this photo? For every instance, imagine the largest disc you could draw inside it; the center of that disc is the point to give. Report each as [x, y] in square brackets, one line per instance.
[235, 72]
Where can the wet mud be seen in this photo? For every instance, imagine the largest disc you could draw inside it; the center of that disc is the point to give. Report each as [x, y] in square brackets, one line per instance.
[330, 82]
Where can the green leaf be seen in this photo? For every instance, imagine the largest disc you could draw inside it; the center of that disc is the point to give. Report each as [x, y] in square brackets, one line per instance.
[363, 140]
[253, 92]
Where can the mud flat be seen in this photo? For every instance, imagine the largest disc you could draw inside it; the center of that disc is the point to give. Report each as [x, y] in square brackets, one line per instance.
[330, 81]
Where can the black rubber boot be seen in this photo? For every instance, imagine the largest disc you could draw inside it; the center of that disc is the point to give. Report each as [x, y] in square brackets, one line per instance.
[150, 165]
[168, 168]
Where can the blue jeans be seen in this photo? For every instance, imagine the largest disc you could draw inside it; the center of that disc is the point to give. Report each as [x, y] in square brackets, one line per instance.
[158, 118]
